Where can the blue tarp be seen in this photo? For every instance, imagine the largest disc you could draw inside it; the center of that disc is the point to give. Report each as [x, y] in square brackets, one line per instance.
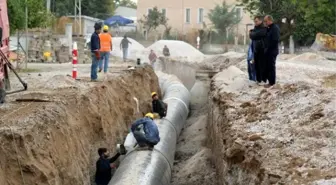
[117, 19]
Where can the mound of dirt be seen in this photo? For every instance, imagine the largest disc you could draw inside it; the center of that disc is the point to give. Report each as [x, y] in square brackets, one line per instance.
[307, 57]
[220, 62]
[178, 49]
[133, 51]
[282, 135]
[56, 142]
[330, 81]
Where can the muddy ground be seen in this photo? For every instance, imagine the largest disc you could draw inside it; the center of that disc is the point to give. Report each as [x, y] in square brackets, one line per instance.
[53, 138]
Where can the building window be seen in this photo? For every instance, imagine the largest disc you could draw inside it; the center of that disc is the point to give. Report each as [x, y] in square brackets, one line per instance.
[164, 12]
[200, 15]
[239, 11]
[187, 15]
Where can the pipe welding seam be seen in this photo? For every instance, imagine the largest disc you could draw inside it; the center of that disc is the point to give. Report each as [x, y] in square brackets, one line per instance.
[173, 98]
[154, 167]
[154, 150]
[170, 124]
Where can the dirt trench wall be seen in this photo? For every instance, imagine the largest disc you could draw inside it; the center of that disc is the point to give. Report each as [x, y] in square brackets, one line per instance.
[228, 155]
[57, 141]
[284, 135]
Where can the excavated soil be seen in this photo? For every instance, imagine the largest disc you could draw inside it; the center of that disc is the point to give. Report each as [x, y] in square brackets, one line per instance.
[282, 135]
[193, 164]
[51, 136]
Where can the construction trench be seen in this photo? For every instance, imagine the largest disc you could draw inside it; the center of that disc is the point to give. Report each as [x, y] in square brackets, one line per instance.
[233, 132]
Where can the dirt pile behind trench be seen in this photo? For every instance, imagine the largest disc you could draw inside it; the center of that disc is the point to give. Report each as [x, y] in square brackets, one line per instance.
[283, 135]
[57, 141]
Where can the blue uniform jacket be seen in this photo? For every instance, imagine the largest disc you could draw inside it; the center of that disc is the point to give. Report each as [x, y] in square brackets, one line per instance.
[150, 128]
[250, 55]
[95, 42]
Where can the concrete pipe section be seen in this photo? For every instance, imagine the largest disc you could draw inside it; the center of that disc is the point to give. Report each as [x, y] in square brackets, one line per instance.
[154, 167]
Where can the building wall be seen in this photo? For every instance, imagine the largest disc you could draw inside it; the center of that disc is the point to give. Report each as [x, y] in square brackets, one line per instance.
[88, 27]
[176, 12]
[125, 12]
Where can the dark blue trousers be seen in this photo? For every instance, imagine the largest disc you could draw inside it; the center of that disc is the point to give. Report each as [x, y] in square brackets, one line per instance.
[270, 71]
[251, 71]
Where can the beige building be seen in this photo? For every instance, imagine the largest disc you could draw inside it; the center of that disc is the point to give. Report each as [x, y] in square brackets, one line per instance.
[184, 15]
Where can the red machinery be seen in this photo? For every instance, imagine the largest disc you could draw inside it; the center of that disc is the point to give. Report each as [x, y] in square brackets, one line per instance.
[5, 65]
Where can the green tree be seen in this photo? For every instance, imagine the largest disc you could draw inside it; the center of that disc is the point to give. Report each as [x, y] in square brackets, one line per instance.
[102, 9]
[62, 7]
[280, 10]
[15, 15]
[223, 17]
[322, 19]
[99, 9]
[154, 19]
[127, 3]
[37, 14]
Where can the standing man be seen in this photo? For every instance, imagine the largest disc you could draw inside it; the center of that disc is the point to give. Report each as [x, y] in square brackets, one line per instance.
[95, 51]
[152, 57]
[258, 36]
[124, 45]
[165, 51]
[105, 48]
[146, 132]
[272, 50]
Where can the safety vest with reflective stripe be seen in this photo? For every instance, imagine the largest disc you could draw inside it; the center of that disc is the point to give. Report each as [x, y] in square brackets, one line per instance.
[105, 41]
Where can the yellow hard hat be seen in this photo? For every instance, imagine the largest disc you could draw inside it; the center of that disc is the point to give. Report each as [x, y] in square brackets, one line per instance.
[105, 27]
[46, 54]
[154, 93]
[149, 115]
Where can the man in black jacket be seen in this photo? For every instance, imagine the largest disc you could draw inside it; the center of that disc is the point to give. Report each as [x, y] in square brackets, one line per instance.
[258, 36]
[273, 38]
[158, 105]
[104, 165]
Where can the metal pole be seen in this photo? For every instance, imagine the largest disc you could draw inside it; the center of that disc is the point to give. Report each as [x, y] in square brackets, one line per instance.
[48, 5]
[78, 20]
[183, 17]
[26, 10]
[18, 49]
[75, 25]
[80, 16]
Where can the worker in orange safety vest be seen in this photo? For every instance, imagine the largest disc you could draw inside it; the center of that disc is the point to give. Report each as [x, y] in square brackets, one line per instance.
[105, 48]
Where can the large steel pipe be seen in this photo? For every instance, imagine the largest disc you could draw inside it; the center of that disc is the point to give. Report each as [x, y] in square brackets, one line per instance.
[154, 167]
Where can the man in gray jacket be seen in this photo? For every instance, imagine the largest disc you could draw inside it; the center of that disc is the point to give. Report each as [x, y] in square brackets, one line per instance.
[124, 46]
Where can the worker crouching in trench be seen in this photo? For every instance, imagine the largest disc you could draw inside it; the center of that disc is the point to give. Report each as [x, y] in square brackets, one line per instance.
[159, 107]
[146, 132]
